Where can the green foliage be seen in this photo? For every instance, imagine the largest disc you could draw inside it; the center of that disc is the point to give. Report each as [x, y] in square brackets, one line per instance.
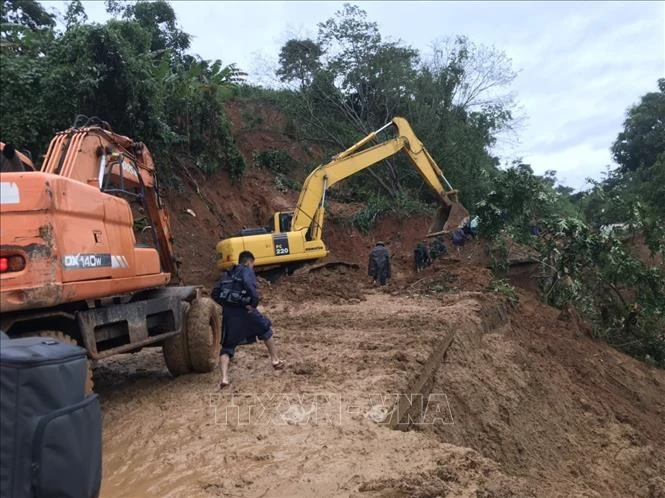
[299, 60]
[503, 287]
[364, 219]
[377, 206]
[597, 273]
[588, 266]
[252, 120]
[158, 18]
[518, 201]
[283, 183]
[351, 81]
[75, 14]
[639, 182]
[19, 18]
[233, 156]
[277, 161]
[132, 72]
[642, 140]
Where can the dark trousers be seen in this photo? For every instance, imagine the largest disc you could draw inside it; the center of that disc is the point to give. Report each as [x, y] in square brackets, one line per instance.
[241, 326]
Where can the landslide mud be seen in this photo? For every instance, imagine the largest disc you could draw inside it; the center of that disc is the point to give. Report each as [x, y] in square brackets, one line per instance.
[536, 407]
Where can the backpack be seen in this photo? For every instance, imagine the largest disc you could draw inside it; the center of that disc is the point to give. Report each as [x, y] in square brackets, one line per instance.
[51, 431]
[230, 290]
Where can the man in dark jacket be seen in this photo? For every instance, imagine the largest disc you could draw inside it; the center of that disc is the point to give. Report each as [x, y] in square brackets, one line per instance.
[458, 239]
[379, 263]
[243, 324]
[437, 248]
[421, 256]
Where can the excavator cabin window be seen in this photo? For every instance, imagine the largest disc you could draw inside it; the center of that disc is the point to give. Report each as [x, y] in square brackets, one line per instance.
[285, 220]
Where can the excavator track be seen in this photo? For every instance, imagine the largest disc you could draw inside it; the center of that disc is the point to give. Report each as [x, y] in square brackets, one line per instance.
[338, 266]
[273, 275]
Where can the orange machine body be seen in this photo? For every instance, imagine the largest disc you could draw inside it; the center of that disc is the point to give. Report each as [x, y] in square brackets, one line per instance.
[67, 231]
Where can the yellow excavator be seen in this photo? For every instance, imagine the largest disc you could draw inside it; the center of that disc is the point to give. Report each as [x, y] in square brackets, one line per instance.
[294, 237]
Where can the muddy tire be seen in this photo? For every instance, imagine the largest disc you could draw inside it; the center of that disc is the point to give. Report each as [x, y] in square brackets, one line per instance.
[176, 355]
[204, 330]
[174, 349]
[62, 337]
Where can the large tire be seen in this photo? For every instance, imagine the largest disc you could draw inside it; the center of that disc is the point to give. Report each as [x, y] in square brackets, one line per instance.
[204, 330]
[62, 337]
[175, 355]
[174, 349]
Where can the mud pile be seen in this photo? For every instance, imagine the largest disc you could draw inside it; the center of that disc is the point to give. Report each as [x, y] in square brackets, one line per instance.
[335, 286]
[569, 415]
[447, 276]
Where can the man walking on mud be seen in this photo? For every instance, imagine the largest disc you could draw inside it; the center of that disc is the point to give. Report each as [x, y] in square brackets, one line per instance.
[379, 263]
[242, 323]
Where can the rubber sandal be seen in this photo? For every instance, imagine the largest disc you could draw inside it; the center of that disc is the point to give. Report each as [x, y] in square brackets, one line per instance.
[279, 365]
[223, 385]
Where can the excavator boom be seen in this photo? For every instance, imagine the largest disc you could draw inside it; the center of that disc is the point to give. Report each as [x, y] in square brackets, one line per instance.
[353, 160]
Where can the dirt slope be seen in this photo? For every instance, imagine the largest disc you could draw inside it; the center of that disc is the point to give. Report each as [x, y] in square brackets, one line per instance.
[222, 207]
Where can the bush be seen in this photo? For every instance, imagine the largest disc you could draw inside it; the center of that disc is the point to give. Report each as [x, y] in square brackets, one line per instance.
[503, 287]
[376, 207]
[276, 161]
[284, 183]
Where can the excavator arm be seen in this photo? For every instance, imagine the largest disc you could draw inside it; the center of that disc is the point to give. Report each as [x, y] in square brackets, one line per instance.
[309, 211]
[118, 166]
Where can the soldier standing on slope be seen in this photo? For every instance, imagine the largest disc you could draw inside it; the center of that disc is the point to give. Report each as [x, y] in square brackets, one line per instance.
[421, 256]
[379, 263]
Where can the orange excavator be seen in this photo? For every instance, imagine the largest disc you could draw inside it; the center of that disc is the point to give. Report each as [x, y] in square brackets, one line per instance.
[70, 263]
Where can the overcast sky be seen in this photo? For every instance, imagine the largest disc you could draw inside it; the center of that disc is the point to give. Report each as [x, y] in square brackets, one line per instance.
[581, 64]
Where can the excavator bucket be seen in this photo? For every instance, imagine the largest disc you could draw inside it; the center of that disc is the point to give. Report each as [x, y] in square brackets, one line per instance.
[448, 218]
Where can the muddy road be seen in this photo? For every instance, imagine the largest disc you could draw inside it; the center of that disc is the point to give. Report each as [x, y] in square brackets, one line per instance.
[524, 404]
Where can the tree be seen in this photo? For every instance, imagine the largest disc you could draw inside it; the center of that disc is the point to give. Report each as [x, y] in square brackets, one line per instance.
[299, 60]
[594, 271]
[26, 27]
[75, 14]
[642, 140]
[26, 13]
[639, 181]
[622, 297]
[114, 7]
[131, 72]
[518, 199]
[159, 18]
[356, 81]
